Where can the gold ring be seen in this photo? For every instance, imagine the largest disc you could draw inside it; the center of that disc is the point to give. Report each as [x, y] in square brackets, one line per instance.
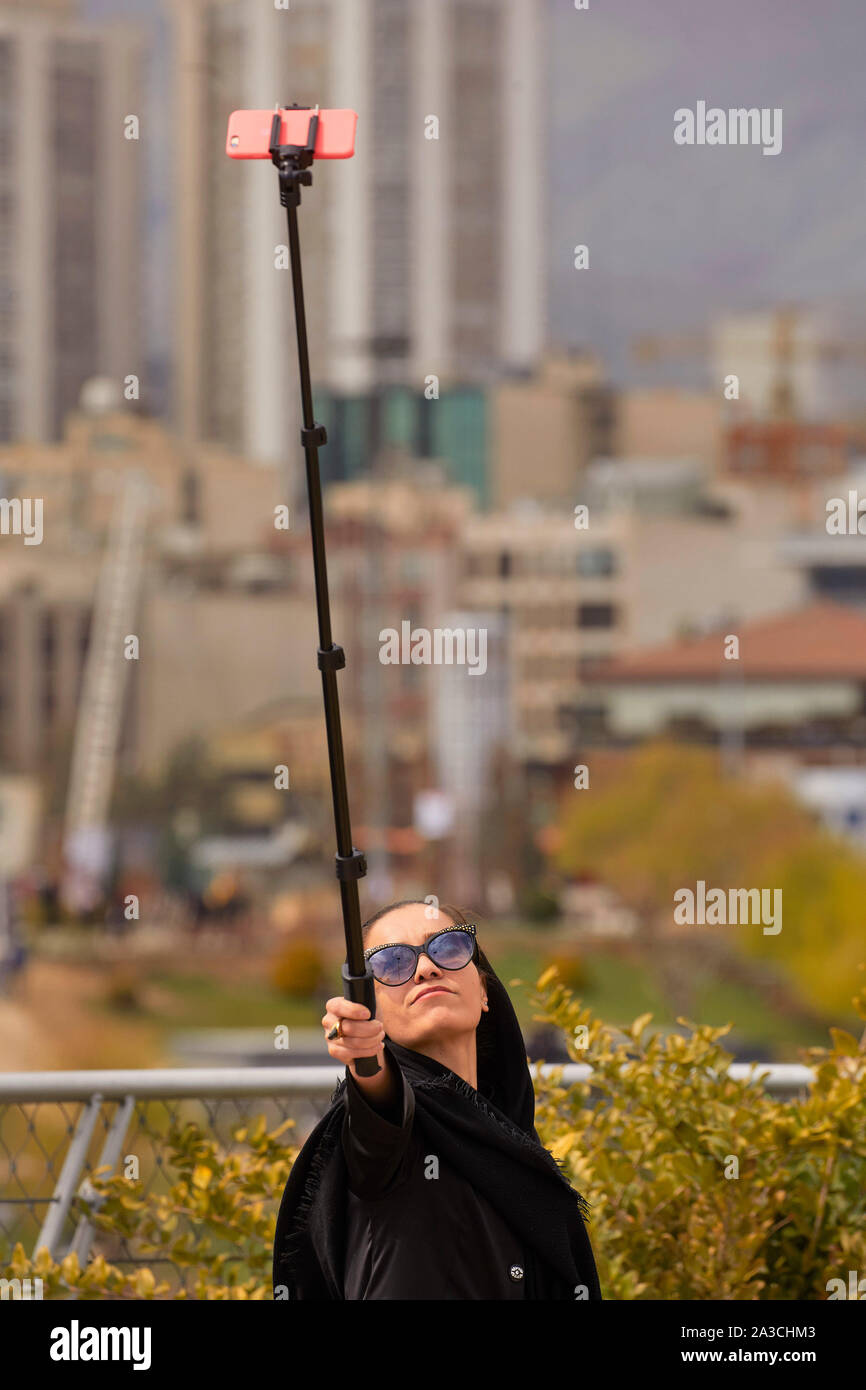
[336, 1031]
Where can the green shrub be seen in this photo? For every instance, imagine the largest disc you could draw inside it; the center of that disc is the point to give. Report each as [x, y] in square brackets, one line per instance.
[538, 905]
[700, 1187]
[299, 968]
[571, 970]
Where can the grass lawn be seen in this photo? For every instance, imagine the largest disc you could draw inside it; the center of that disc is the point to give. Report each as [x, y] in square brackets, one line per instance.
[723, 1002]
[214, 994]
[203, 1001]
[617, 991]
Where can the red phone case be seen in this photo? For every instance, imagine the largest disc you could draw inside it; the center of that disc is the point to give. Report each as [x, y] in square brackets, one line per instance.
[249, 133]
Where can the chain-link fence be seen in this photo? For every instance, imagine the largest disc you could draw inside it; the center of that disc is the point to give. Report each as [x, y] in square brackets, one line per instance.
[56, 1128]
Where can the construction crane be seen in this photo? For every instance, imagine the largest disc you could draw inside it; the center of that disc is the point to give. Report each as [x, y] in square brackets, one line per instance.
[785, 352]
[87, 844]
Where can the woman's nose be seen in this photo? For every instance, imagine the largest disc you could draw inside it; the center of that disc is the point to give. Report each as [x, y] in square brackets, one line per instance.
[424, 965]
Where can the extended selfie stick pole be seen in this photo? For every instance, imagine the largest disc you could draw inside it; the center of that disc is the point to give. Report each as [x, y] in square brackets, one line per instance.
[293, 163]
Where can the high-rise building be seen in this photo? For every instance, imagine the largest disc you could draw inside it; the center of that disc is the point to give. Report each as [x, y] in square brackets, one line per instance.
[423, 255]
[546, 427]
[70, 220]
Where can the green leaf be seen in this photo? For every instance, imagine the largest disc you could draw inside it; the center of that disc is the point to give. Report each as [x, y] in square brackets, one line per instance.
[639, 1024]
[844, 1042]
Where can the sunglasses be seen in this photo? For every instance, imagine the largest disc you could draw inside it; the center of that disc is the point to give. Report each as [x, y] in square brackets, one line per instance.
[450, 949]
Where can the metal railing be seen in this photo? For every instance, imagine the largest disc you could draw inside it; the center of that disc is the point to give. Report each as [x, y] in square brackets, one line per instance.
[57, 1128]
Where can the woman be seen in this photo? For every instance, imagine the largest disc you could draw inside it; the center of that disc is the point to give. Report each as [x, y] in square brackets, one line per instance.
[428, 1180]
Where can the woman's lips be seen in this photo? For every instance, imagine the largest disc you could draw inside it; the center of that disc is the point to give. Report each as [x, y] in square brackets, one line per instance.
[435, 989]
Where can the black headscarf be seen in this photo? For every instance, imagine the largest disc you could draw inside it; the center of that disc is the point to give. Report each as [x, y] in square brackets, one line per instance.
[487, 1135]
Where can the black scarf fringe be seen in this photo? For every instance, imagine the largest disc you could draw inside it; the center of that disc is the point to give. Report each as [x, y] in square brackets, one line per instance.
[318, 1164]
[321, 1156]
[449, 1081]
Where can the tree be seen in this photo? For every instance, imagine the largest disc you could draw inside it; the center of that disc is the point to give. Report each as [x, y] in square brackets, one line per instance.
[663, 817]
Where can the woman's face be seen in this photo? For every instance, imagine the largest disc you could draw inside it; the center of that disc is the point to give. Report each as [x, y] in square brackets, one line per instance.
[435, 1003]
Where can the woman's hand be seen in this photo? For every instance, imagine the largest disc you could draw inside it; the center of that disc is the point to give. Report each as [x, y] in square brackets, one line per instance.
[362, 1036]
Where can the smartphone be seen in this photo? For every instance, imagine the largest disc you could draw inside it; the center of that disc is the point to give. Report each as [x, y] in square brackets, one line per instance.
[249, 133]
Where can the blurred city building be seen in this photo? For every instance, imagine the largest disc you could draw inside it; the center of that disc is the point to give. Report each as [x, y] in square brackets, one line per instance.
[392, 558]
[289, 733]
[220, 635]
[786, 360]
[696, 549]
[546, 425]
[473, 732]
[454, 430]
[832, 560]
[529, 434]
[790, 362]
[226, 616]
[777, 359]
[793, 706]
[406, 275]
[786, 450]
[420, 740]
[798, 685]
[271, 767]
[71, 240]
[665, 422]
[559, 590]
[667, 548]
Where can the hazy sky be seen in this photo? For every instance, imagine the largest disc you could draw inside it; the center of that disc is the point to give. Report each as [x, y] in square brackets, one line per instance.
[676, 234]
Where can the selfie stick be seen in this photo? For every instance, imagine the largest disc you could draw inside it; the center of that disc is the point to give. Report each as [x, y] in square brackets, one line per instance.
[293, 163]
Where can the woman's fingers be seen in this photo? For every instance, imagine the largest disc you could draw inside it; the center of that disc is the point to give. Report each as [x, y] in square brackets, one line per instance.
[354, 1019]
[347, 1055]
[349, 1051]
[353, 1031]
[360, 1035]
[346, 1008]
[352, 1027]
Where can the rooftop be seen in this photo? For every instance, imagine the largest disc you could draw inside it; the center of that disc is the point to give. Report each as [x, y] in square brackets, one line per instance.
[823, 641]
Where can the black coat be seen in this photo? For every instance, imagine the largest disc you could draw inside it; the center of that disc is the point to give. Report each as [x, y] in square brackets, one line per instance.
[487, 1137]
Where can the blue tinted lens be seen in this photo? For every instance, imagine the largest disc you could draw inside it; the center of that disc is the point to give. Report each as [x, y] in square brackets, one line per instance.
[393, 965]
[452, 950]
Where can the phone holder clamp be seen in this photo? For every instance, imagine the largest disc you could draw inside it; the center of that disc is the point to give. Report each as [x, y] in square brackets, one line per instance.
[293, 161]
